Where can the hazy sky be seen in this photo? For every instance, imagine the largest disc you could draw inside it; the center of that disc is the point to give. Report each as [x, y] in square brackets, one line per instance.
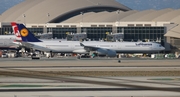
[133, 4]
[6, 4]
[151, 4]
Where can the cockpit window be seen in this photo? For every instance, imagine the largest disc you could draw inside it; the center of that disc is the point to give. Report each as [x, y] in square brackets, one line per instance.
[160, 45]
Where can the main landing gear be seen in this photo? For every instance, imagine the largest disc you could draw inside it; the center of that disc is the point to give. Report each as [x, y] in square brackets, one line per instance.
[119, 61]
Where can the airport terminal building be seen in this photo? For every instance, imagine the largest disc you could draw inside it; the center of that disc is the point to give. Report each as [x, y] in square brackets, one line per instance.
[96, 18]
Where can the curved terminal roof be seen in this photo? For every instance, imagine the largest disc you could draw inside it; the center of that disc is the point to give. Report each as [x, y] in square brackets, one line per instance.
[175, 32]
[165, 15]
[135, 16]
[100, 17]
[152, 15]
[75, 11]
[168, 16]
[42, 11]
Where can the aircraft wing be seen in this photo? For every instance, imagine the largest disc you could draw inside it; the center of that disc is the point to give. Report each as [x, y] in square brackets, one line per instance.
[89, 48]
[100, 51]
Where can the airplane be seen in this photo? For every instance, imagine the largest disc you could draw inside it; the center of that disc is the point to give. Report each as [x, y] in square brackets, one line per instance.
[109, 49]
[6, 41]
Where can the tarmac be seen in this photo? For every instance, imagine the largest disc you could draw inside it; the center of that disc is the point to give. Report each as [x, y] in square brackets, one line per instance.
[99, 77]
[72, 61]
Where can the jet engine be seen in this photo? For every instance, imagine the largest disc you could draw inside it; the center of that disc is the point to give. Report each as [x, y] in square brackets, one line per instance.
[107, 52]
[80, 51]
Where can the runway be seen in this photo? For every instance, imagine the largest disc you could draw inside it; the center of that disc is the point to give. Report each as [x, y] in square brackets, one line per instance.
[61, 77]
[120, 86]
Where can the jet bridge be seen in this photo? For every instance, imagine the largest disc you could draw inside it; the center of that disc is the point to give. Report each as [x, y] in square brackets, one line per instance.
[115, 37]
[76, 36]
[45, 35]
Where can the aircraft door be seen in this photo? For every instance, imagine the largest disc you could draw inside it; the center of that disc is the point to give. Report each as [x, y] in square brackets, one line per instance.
[119, 47]
[5, 43]
[72, 46]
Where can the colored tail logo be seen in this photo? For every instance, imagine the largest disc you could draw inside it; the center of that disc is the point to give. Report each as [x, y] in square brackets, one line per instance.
[16, 31]
[26, 35]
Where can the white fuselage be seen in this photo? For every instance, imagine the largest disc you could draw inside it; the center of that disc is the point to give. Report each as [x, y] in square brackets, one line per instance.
[6, 41]
[119, 47]
[7, 44]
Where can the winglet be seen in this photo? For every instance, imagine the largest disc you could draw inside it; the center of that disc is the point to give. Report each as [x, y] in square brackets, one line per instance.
[81, 44]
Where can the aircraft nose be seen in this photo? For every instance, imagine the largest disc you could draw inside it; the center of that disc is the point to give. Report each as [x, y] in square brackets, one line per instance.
[163, 48]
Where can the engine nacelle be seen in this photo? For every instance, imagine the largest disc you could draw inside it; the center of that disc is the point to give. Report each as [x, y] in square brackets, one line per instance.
[80, 51]
[101, 51]
[111, 53]
[108, 52]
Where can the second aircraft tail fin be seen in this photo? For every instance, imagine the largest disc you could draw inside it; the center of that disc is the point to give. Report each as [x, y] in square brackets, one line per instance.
[16, 31]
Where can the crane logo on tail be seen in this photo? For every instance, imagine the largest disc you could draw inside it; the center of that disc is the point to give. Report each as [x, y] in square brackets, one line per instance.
[24, 32]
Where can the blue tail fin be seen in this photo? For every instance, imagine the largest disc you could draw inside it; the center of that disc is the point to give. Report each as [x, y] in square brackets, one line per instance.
[26, 35]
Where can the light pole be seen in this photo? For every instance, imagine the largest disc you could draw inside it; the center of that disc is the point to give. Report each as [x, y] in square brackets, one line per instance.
[82, 16]
[48, 15]
[24, 15]
[118, 11]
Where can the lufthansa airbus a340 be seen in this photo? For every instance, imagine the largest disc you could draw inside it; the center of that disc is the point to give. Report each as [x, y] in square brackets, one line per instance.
[109, 49]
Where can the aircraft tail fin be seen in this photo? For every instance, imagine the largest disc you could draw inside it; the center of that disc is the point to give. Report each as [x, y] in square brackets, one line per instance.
[26, 35]
[16, 31]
